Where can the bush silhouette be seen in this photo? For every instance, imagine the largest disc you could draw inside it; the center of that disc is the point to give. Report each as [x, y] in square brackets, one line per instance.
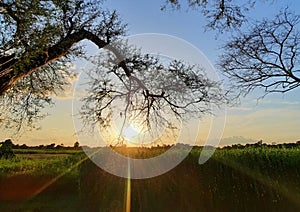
[6, 149]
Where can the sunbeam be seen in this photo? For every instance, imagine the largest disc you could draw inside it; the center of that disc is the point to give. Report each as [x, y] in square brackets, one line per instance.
[52, 181]
[128, 189]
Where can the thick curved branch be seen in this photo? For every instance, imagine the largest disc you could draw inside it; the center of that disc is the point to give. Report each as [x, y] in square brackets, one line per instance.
[7, 8]
[19, 69]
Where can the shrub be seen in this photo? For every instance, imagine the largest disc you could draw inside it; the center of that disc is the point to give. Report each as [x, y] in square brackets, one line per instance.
[6, 150]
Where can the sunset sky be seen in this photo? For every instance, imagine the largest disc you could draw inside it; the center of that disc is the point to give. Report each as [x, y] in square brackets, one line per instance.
[275, 118]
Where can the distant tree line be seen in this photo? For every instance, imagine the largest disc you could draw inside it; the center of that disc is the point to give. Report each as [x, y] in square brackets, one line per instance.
[260, 144]
[8, 144]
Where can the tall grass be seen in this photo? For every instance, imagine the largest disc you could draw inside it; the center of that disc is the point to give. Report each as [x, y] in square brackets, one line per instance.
[39, 166]
[249, 179]
[237, 179]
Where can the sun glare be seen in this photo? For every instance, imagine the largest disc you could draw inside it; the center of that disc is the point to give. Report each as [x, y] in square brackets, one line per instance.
[130, 132]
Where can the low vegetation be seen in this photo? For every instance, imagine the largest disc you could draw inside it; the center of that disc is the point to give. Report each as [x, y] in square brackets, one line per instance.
[253, 177]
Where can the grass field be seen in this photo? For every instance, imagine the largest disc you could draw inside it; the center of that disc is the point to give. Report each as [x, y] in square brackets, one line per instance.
[247, 179]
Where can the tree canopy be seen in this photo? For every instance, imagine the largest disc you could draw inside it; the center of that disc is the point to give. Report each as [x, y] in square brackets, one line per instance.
[38, 40]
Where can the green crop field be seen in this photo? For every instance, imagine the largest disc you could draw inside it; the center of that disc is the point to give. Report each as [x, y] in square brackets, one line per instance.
[234, 179]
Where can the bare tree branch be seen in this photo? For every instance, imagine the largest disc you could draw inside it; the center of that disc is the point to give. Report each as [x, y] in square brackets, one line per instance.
[267, 56]
[221, 15]
[149, 89]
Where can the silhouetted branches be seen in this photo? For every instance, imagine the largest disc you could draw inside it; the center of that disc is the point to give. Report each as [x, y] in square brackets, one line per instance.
[221, 15]
[150, 91]
[267, 56]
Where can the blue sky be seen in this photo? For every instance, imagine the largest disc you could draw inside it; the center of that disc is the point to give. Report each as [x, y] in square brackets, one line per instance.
[275, 118]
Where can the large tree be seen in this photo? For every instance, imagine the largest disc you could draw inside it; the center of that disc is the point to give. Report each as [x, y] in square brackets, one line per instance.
[38, 40]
